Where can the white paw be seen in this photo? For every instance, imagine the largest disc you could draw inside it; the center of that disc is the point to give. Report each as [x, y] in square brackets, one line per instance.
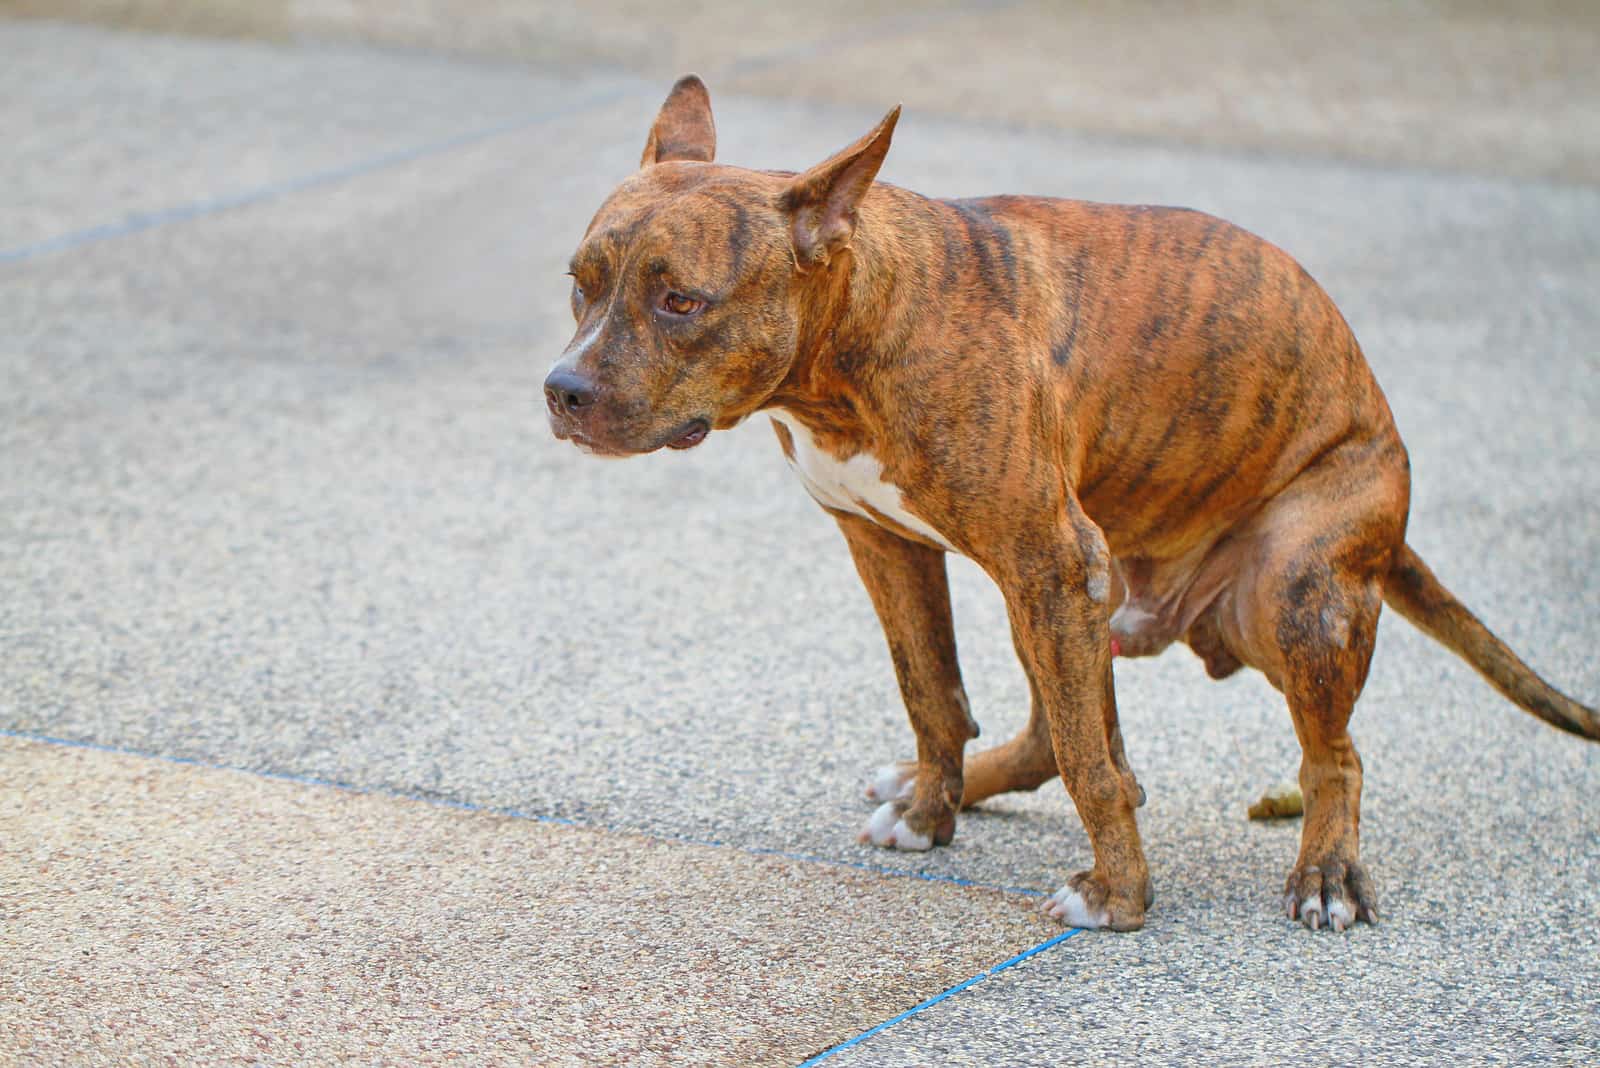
[892, 782]
[1068, 906]
[887, 829]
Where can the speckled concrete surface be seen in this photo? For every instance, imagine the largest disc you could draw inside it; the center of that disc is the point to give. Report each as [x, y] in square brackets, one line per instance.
[278, 492]
[156, 913]
[1439, 83]
[174, 121]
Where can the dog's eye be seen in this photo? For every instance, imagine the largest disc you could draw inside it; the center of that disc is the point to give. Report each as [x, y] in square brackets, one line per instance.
[678, 304]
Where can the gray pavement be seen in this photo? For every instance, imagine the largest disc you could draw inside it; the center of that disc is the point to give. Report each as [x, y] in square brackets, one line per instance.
[277, 494]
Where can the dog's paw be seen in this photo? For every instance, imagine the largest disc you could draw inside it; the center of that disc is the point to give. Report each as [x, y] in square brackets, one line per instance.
[894, 825]
[1069, 906]
[887, 828]
[892, 782]
[1333, 894]
[1086, 902]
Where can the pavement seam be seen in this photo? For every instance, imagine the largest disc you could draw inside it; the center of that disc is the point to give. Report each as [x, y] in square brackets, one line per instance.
[513, 813]
[149, 220]
[1048, 943]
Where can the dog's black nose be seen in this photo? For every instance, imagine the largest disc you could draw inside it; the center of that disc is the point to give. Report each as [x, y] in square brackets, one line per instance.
[569, 392]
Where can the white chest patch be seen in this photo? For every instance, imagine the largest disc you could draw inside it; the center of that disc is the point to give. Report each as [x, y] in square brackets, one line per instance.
[853, 485]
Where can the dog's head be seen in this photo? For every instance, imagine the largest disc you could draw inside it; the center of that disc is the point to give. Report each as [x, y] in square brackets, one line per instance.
[690, 285]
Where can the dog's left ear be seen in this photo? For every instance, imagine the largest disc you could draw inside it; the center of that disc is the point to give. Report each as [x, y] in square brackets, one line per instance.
[683, 129]
[822, 202]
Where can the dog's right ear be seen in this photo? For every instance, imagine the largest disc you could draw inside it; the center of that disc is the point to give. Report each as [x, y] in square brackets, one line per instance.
[683, 129]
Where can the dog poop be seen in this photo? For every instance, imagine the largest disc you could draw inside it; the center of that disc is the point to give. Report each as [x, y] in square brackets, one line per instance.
[1279, 803]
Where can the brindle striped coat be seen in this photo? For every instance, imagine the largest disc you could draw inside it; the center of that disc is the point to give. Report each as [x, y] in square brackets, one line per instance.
[1146, 424]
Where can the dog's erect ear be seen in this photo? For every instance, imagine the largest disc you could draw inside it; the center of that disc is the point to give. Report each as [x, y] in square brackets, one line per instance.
[822, 202]
[684, 129]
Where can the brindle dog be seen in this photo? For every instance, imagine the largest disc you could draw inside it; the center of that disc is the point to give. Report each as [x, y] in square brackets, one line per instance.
[1145, 424]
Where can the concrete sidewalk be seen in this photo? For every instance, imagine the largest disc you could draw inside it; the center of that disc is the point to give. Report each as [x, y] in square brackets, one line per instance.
[175, 912]
[1453, 84]
[277, 496]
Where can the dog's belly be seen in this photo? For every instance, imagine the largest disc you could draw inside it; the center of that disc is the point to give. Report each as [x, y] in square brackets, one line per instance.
[1161, 600]
[854, 485]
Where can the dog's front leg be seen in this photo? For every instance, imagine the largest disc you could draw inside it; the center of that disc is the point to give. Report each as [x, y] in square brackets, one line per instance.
[1056, 583]
[911, 594]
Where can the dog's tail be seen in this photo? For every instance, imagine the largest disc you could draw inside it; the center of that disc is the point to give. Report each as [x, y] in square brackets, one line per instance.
[1414, 592]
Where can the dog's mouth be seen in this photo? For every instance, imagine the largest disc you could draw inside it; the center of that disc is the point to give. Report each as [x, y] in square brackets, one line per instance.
[687, 436]
[691, 435]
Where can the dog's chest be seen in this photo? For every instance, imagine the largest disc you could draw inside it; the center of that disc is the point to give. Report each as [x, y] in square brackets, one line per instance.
[854, 484]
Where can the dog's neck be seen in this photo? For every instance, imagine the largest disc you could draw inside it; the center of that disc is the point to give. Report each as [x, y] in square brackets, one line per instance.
[855, 323]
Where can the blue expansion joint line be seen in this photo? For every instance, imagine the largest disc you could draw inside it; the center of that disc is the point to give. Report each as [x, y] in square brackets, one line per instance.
[468, 806]
[150, 220]
[514, 813]
[931, 1002]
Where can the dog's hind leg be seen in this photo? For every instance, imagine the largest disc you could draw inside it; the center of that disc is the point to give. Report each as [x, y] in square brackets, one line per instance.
[1326, 624]
[1028, 760]
[1308, 618]
[911, 593]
